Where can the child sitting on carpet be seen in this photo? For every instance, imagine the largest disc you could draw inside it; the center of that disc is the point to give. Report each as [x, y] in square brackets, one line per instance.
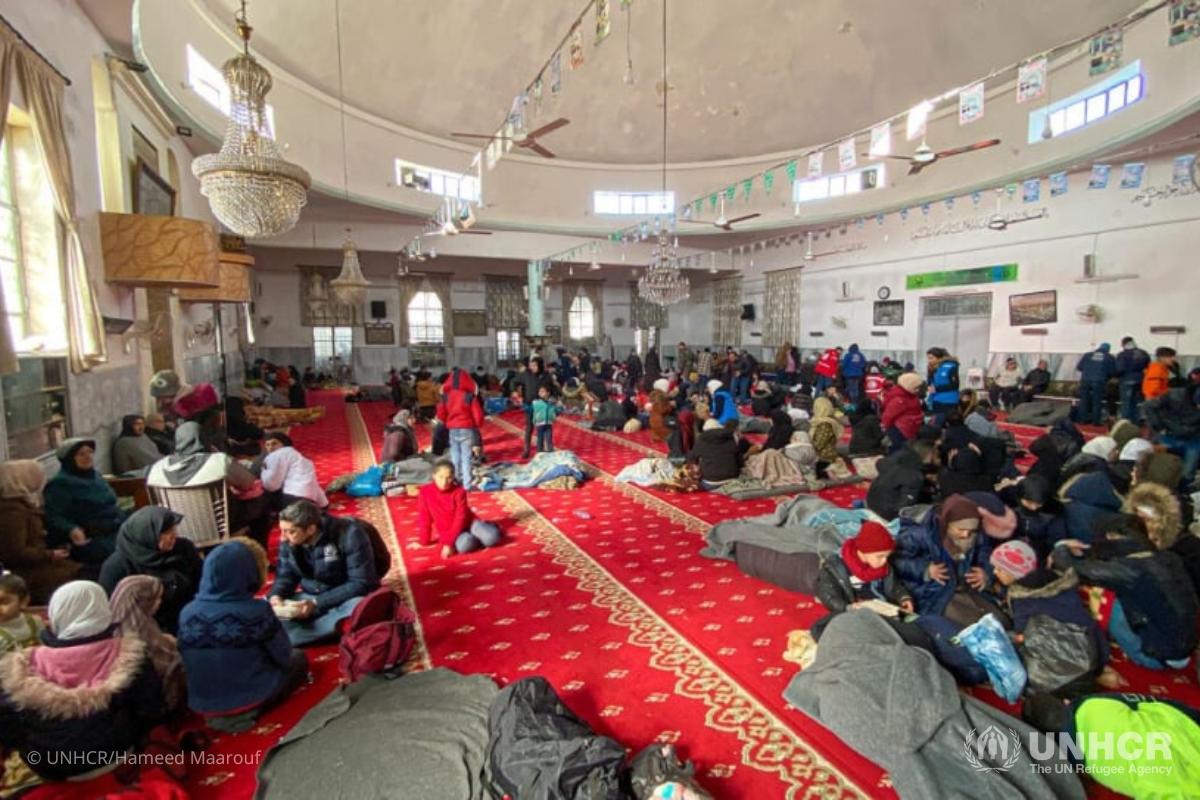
[18, 628]
[442, 507]
[860, 572]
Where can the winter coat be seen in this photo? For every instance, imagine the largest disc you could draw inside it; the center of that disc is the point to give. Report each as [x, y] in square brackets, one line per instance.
[1038, 381]
[78, 501]
[918, 545]
[943, 387]
[662, 413]
[458, 408]
[137, 553]
[1085, 499]
[334, 567]
[64, 731]
[1156, 381]
[1187, 547]
[902, 411]
[1131, 365]
[718, 453]
[427, 393]
[399, 443]
[132, 452]
[780, 435]
[1054, 596]
[1153, 588]
[1173, 414]
[724, 409]
[866, 437]
[1096, 367]
[854, 363]
[233, 646]
[901, 483]
[444, 515]
[825, 430]
[837, 593]
[23, 550]
[528, 384]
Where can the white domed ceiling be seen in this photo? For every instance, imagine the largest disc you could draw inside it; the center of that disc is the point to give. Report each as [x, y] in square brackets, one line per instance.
[747, 78]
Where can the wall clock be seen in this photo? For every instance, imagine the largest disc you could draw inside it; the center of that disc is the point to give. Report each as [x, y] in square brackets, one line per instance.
[884, 293]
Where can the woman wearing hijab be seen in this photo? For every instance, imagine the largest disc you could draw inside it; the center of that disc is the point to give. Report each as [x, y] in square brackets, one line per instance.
[239, 659]
[194, 465]
[23, 548]
[825, 430]
[134, 603]
[83, 698]
[245, 438]
[133, 451]
[81, 508]
[149, 544]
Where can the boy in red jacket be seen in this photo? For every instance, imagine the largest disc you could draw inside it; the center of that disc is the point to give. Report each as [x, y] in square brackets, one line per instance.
[461, 413]
[902, 411]
[442, 508]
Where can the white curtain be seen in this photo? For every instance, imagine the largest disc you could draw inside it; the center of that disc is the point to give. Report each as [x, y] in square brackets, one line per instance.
[781, 312]
[440, 285]
[8, 48]
[43, 91]
[727, 312]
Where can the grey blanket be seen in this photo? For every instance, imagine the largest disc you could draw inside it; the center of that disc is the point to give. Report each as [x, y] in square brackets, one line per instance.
[1045, 413]
[783, 530]
[895, 705]
[422, 735]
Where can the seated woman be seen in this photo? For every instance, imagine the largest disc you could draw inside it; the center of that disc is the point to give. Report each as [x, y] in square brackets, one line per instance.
[84, 698]
[194, 465]
[244, 437]
[134, 604]
[442, 508]
[288, 476]
[23, 547]
[149, 544]
[858, 573]
[718, 453]
[133, 451]
[238, 658]
[666, 425]
[1154, 617]
[826, 431]
[399, 439]
[81, 508]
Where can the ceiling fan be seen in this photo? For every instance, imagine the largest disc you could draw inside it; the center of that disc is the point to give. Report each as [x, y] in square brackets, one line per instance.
[809, 255]
[925, 155]
[449, 222]
[527, 140]
[721, 222]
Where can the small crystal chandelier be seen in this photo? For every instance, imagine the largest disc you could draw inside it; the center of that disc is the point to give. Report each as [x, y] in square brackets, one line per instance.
[252, 190]
[350, 286]
[664, 282]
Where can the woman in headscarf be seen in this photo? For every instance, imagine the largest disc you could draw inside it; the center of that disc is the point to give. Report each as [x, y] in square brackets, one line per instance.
[245, 438]
[133, 451]
[194, 465]
[149, 544]
[81, 508]
[23, 546]
[83, 698]
[825, 430]
[134, 603]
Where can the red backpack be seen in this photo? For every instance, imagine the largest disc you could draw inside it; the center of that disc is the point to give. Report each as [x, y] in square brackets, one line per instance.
[378, 636]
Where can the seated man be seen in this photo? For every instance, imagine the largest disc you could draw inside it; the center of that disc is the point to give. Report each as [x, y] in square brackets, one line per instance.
[286, 475]
[330, 561]
[1036, 382]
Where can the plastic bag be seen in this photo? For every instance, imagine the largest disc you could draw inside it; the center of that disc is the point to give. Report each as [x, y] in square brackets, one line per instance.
[988, 644]
[367, 484]
[1057, 653]
[656, 772]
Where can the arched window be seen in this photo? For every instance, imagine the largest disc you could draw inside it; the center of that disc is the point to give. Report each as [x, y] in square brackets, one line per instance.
[581, 319]
[426, 321]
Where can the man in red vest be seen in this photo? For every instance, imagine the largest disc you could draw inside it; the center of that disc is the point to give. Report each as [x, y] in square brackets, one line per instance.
[827, 369]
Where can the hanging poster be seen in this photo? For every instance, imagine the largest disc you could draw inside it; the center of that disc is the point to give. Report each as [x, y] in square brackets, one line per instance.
[881, 141]
[577, 47]
[970, 104]
[1183, 19]
[1131, 175]
[537, 97]
[1105, 51]
[516, 114]
[847, 158]
[1181, 170]
[1058, 184]
[556, 74]
[1031, 190]
[816, 164]
[1031, 79]
[492, 154]
[603, 23]
[917, 119]
[1099, 179]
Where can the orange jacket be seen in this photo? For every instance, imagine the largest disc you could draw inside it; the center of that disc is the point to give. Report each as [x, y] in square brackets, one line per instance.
[1156, 380]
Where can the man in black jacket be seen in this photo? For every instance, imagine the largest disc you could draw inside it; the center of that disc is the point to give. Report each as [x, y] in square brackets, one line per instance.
[1036, 382]
[1175, 418]
[528, 383]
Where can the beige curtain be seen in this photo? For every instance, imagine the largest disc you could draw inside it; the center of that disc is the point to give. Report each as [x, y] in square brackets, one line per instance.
[43, 91]
[409, 286]
[8, 48]
[727, 310]
[781, 314]
[505, 302]
[440, 285]
[643, 314]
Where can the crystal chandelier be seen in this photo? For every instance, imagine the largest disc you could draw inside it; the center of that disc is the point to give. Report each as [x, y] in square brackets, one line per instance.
[664, 282]
[252, 190]
[350, 286]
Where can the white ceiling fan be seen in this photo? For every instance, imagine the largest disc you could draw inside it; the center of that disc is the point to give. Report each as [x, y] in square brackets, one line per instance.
[721, 222]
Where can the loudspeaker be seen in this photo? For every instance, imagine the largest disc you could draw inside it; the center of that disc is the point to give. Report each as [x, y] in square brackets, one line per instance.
[748, 312]
[378, 309]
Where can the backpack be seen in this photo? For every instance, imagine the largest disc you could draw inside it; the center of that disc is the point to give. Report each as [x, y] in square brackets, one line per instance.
[378, 636]
[539, 750]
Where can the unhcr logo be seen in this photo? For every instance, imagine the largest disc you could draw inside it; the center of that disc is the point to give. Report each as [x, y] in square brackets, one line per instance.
[992, 747]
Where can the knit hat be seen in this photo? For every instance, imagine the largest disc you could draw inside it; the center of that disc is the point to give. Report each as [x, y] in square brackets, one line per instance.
[1122, 432]
[711, 424]
[1101, 446]
[165, 383]
[1016, 558]
[713, 385]
[196, 400]
[1134, 449]
[874, 538]
[910, 382]
[958, 509]
[1104, 347]
[663, 385]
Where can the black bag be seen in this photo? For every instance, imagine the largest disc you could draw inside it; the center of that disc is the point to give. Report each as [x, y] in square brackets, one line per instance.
[1057, 654]
[658, 764]
[968, 606]
[539, 750]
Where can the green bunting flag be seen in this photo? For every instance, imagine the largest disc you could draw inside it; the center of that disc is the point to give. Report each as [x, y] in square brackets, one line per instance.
[746, 185]
[712, 201]
[768, 180]
[730, 193]
[699, 206]
[791, 171]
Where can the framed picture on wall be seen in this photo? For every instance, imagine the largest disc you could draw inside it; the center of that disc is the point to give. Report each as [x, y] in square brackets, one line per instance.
[151, 194]
[1033, 308]
[470, 323]
[889, 313]
[379, 333]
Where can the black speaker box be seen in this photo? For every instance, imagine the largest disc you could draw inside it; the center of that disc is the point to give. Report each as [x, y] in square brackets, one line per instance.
[378, 309]
[748, 312]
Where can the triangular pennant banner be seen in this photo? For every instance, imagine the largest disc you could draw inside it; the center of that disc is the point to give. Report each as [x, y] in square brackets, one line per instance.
[746, 186]
[730, 193]
[791, 171]
[768, 180]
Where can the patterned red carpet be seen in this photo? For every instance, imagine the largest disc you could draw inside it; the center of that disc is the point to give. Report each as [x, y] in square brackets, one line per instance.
[603, 591]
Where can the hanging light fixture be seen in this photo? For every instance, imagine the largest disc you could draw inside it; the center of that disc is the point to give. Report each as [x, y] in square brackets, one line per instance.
[350, 286]
[252, 190]
[664, 282]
